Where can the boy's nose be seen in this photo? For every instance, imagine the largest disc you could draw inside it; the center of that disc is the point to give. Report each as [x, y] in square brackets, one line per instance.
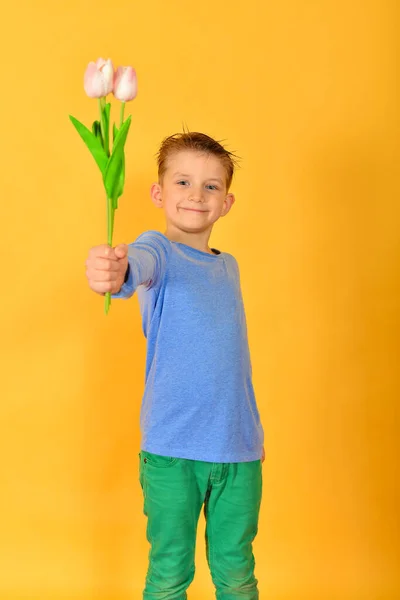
[196, 197]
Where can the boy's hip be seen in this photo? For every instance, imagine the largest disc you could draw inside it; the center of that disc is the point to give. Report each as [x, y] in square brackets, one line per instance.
[172, 475]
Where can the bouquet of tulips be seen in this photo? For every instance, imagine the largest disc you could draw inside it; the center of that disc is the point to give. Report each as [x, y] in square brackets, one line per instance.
[100, 80]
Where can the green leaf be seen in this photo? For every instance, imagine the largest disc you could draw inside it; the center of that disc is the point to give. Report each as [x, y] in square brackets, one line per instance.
[106, 123]
[93, 144]
[96, 129]
[115, 132]
[121, 182]
[115, 166]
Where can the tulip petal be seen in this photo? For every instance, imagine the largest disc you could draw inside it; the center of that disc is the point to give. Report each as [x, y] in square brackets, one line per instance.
[108, 72]
[88, 77]
[99, 78]
[125, 84]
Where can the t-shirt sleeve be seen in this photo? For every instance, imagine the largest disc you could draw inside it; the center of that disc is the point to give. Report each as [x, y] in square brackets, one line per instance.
[147, 260]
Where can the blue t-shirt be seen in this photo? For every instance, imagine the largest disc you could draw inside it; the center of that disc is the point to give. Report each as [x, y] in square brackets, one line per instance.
[198, 401]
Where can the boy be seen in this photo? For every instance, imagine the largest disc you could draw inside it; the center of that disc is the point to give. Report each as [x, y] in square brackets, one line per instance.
[202, 440]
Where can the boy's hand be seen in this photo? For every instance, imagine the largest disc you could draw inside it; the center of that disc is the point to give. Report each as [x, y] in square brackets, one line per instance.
[106, 268]
[263, 455]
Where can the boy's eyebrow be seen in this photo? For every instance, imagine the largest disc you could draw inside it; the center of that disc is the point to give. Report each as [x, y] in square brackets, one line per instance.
[208, 178]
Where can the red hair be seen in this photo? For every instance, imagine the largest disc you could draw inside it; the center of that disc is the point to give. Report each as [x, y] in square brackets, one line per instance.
[198, 142]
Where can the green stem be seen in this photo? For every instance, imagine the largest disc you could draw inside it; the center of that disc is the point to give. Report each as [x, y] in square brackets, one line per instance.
[121, 114]
[110, 230]
[107, 302]
[110, 221]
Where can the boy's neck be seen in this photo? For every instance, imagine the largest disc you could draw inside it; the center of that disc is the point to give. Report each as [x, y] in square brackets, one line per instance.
[199, 241]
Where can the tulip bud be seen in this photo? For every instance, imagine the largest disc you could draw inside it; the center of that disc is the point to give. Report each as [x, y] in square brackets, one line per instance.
[125, 84]
[98, 80]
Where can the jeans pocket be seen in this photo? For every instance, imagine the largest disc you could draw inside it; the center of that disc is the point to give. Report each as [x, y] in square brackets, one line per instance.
[156, 460]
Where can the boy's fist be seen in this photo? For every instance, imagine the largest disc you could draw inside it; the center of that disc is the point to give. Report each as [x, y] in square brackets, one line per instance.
[106, 268]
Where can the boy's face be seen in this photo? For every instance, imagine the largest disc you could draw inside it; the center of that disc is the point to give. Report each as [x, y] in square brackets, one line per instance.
[193, 192]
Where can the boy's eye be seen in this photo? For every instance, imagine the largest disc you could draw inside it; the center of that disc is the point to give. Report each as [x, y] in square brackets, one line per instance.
[210, 185]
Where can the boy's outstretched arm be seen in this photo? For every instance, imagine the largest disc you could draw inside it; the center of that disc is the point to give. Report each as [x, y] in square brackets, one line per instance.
[122, 269]
[106, 268]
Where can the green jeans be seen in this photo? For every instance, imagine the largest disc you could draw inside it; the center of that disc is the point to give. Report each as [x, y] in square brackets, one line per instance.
[175, 490]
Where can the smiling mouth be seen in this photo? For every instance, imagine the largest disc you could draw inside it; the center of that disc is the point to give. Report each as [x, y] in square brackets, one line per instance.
[194, 210]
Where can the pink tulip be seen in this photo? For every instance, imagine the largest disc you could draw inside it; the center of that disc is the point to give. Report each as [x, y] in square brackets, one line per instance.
[125, 84]
[98, 80]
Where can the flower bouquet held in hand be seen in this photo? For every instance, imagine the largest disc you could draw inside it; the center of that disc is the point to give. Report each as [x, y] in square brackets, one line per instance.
[99, 81]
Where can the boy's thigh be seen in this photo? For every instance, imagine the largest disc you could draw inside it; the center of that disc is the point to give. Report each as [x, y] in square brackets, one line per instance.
[172, 504]
[232, 514]
[234, 503]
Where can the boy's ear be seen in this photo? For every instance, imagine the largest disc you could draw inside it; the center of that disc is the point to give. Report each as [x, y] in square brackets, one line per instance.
[156, 195]
[229, 201]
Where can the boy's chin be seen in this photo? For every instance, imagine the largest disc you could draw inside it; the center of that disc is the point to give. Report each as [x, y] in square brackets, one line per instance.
[186, 227]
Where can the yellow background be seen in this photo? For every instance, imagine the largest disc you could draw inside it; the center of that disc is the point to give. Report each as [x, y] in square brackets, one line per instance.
[306, 92]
